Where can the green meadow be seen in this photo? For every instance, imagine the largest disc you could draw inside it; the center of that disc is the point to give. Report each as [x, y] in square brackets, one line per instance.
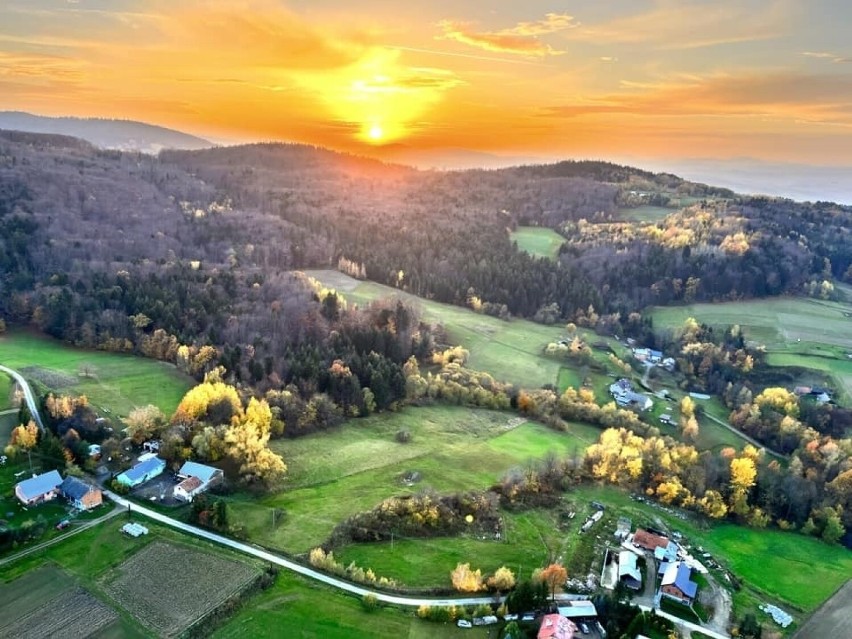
[646, 213]
[115, 381]
[336, 474]
[537, 241]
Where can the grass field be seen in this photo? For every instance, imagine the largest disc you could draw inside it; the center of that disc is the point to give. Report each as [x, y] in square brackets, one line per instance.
[802, 332]
[121, 382]
[833, 618]
[645, 213]
[6, 385]
[537, 241]
[336, 474]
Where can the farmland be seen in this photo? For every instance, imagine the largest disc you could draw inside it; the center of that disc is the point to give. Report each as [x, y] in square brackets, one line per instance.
[167, 587]
[806, 333]
[117, 382]
[336, 474]
[832, 619]
[540, 242]
[48, 603]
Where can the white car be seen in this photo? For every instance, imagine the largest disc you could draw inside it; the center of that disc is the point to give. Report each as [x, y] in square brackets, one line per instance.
[510, 617]
[464, 623]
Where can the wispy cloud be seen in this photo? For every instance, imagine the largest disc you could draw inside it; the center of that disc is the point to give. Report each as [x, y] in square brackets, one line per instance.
[825, 55]
[521, 39]
[817, 99]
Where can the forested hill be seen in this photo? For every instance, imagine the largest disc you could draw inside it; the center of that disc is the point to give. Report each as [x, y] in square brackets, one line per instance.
[201, 244]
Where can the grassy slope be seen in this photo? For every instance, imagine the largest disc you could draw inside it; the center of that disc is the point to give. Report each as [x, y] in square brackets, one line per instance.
[540, 242]
[645, 213]
[801, 332]
[339, 473]
[5, 391]
[122, 382]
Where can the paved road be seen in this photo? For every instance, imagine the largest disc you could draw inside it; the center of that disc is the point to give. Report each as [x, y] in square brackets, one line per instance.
[76, 530]
[28, 393]
[687, 624]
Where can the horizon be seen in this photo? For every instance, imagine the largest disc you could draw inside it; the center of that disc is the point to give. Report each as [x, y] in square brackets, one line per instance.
[655, 80]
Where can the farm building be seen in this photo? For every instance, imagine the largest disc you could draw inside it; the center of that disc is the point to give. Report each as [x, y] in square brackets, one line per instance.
[556, 627]
[81, 495]
[624, 395]
[628, 570]
[207, 474]
[197, 478]
[142, 472]
[667, 552]
[39, 488]
[649, 541]
[623, 527]
[676, 583]
[578, 608]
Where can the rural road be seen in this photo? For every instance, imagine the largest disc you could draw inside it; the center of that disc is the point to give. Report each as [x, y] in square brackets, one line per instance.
[742, 435]
[399, 600]
[74, 531]
[28, 393]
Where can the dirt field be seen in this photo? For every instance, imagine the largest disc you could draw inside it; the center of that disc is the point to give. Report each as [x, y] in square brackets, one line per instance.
[47, 603]
[832, 619]
[167, 587]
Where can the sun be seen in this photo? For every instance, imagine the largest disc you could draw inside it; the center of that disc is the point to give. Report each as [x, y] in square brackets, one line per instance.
[376, 133]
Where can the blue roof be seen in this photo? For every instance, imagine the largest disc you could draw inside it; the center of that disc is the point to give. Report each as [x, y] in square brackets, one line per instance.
[75, 488]
[143, 468]
[194, 469]
[683, 582]
[39, 485]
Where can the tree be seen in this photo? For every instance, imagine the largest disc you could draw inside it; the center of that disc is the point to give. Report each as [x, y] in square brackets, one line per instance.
[502, 580]
[466, 580]
[247, 440]
[144, 423]
[24, 437]
[555, 577]
[834, 529]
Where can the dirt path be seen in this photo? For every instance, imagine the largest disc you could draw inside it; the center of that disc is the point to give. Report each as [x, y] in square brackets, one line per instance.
[722, 605]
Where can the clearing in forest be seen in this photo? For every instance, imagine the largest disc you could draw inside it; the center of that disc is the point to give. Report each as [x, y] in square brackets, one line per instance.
[537, 241]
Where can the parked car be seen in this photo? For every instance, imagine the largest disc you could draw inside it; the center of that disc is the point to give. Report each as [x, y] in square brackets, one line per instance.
[584, 628]
[62, 525]
[510, 617]
[464, 623]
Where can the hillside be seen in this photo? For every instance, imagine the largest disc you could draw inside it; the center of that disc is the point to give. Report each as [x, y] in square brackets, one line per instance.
[125, 135]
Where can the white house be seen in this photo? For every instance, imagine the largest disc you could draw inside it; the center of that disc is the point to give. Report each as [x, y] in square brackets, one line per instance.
[197, 478]
[39, 488]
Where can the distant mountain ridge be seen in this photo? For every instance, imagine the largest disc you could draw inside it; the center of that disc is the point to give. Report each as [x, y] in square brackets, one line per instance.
[125, 135]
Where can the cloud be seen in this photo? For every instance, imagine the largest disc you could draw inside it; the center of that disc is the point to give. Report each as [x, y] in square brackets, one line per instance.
[816, 99]
[824, 55]
[682, 24]
[521, 39]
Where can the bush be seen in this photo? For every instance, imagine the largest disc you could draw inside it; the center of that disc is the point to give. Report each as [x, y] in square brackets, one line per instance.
[403, 436]
[370, 603]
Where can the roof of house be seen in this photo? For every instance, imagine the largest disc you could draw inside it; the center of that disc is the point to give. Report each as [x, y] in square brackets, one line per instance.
[190, 483]
[39, 485]
[667, 552]
[194, 469]
[627, 566]
[648, 540]
[75, 488]
[677, 575]
[557, 627]
[578, 608]
[143, 468]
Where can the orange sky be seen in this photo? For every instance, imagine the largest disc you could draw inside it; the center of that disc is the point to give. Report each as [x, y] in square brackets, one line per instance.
[769, 79]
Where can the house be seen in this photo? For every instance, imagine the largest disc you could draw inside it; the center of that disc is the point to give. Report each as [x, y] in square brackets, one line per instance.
[142, 472]
[623, 528]
[669, 364]
[620, 387]
[197, 478]
[666, 418]
[39, 488]
[189, 488]
[655, 357]
[642, 354]
[556, 627]
[207, 474]
[81, 495]
[648, 540]
[628, 571]
[630, 398]
[676, 583]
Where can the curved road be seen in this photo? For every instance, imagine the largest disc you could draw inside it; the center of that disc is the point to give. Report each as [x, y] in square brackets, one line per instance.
[28, 393]
[399, 600]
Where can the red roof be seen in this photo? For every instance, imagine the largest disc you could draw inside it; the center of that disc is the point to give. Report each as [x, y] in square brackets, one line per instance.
[649, 541]
[190, 483]
[556, 627]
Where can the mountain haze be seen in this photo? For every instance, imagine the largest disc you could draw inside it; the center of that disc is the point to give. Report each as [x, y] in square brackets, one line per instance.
[125, 135]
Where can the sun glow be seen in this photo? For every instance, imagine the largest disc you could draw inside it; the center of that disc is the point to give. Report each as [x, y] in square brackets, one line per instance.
[376, 132]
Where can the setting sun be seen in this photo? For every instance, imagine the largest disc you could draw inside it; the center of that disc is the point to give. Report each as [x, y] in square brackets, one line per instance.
[376, 133]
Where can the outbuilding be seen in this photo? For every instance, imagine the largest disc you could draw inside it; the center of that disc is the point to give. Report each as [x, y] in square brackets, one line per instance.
[79, 494]
[142, 472]
[39, 488]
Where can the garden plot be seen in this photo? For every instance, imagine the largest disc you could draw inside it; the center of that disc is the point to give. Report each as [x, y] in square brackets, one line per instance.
[168, 587]
[73, 615]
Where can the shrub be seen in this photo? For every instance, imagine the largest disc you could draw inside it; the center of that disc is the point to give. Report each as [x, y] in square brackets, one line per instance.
[370, 603]
[403, 436]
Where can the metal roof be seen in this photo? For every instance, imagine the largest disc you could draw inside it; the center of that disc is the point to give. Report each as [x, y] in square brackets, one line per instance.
[39, 485]
[678, 575]
[75, 488]
[194, 469]
[140, 470]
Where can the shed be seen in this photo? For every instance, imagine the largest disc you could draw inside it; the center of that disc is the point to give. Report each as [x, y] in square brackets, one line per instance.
[39, 488]
[628, 570]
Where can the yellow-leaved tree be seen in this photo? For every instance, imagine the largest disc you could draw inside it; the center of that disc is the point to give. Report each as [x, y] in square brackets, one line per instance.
[247, 440]
[466, 580]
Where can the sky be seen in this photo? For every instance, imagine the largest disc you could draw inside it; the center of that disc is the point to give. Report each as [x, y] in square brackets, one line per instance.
[763, 79]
